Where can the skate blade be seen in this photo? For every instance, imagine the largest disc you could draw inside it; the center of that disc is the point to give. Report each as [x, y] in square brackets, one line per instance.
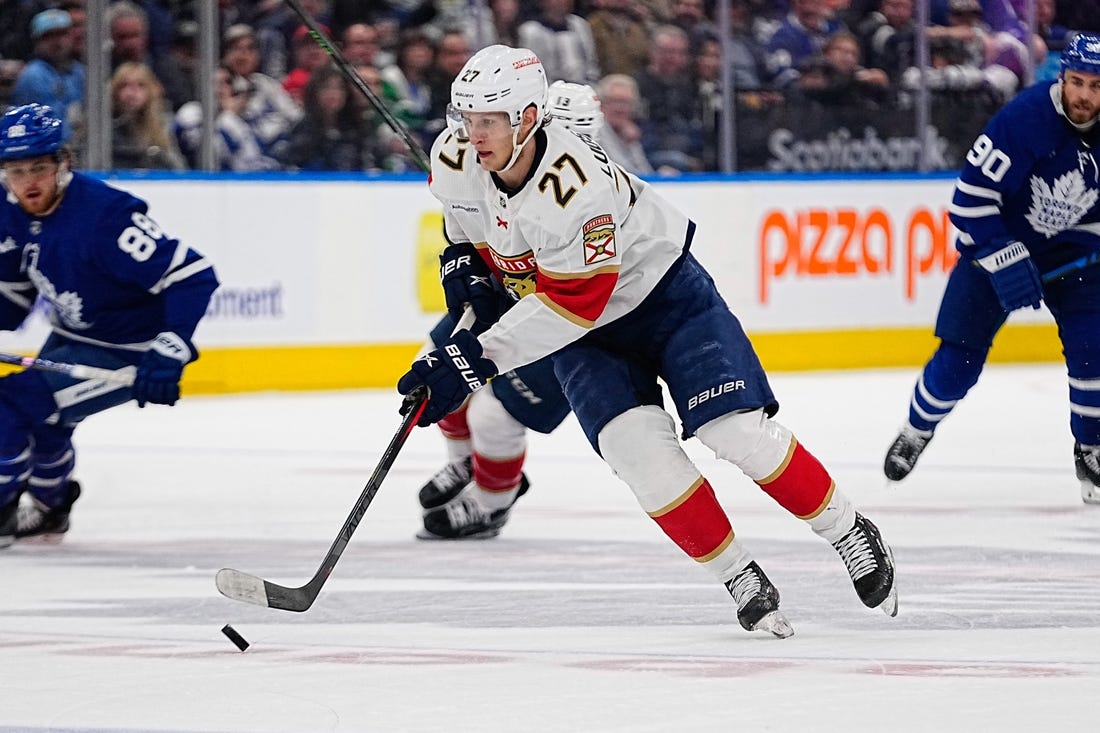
[48, 538]
[889, 606]
[488, 534]
[776, 624]
[1090, 494]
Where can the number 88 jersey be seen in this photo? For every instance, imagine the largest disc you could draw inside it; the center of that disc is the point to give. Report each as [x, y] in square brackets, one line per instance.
[110, 274]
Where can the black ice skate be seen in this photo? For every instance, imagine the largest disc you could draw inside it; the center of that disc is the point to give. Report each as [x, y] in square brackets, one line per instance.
[41, 524]
[9, 520]
[446, 484]
[758, 602]
[870, 564]
[464, 518]
[903, 454]
[1086, 460]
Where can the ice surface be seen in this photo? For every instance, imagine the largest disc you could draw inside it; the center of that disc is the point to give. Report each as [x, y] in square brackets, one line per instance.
[581, 616]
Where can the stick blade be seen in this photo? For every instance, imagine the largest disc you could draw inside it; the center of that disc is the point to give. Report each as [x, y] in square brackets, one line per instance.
[249, 589]
[241, 586]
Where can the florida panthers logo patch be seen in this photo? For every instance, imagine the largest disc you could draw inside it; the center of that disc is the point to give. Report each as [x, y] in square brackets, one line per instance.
[599, 239]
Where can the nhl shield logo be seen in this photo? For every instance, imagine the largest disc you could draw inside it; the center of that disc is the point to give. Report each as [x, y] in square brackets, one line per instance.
[599, 239]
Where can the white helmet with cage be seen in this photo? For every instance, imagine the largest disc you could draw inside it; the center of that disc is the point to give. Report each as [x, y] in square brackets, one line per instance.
[499, 79]
[575, 106]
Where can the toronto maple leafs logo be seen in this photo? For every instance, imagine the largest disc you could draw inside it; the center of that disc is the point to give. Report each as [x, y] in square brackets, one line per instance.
[68, 306]
[1060, 206]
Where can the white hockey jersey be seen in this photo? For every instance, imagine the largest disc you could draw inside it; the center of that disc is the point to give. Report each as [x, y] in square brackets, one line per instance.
[580, 243]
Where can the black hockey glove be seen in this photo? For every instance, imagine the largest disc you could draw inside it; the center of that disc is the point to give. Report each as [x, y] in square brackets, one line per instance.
[450, 373]
[467, 279]
[159, 373]
[1013, 274]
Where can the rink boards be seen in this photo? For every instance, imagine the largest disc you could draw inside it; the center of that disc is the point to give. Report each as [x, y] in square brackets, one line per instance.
[330, 282]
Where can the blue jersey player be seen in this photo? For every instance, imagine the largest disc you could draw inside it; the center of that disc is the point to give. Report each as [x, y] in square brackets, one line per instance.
[121, 295]
[1026, 206]
[608, 290]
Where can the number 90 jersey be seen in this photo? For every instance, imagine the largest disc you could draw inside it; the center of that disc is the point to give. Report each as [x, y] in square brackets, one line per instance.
[111, 276]
[580, 243]
[1031, 176]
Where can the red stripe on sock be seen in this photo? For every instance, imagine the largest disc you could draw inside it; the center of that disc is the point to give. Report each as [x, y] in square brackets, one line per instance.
[494, 474]
[696, 522]
[454, 426]
[801, 485]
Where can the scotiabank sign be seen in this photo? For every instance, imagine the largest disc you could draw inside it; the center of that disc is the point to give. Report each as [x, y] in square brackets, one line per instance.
[837, 242]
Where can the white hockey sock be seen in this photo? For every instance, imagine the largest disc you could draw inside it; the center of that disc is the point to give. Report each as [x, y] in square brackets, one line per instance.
[834, 521]
[494, 500]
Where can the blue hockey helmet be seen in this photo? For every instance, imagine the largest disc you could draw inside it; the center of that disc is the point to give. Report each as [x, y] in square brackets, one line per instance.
[1082, 54]
[28, 132]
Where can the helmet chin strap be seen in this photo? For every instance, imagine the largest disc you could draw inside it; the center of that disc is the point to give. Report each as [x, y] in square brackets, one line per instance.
[517, 147]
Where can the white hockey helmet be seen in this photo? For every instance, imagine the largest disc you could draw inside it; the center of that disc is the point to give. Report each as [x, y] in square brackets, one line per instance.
[501, 79]
[576, 107]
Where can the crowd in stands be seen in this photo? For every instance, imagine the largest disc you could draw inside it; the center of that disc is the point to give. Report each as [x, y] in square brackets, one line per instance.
[656, 65]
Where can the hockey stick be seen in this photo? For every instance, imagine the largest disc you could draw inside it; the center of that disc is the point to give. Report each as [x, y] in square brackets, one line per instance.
[1072, 266]
[251, 589]
[125, 375]
[352, 76]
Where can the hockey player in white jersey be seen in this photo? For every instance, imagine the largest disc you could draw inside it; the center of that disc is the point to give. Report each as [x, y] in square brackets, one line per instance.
[472, 496]
[607, 286]
[1026, 206]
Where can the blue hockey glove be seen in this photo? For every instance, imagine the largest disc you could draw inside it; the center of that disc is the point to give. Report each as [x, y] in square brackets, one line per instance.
[160, 370]
[450, 373]
[467, 279]
[1013, 275]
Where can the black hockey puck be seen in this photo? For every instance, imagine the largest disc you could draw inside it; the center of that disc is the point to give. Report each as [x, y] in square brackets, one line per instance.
[234, 637]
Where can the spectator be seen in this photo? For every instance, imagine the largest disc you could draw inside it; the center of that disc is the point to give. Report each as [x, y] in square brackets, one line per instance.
[708, 72]
[269, 111]
[888, 37]
[79, 16]
[237, 146]
[563, 42]
[451, 55]
[851, 81]
[331, 136]
[15, 30]
[274, 24]
[360, 44]
[621, 137]
[1080, 15]
[129, 31]
[140, 137]
[53, 78]
[408, 78]
[747, 55]
[1054, 35]
[620, 35]
[671, 129]
[308, 58]
[801, 35]
[691, 16]
[184, 54]
[393, 155]
[983, 50]
[1017, 47]
[498, 22]
[10, 69]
